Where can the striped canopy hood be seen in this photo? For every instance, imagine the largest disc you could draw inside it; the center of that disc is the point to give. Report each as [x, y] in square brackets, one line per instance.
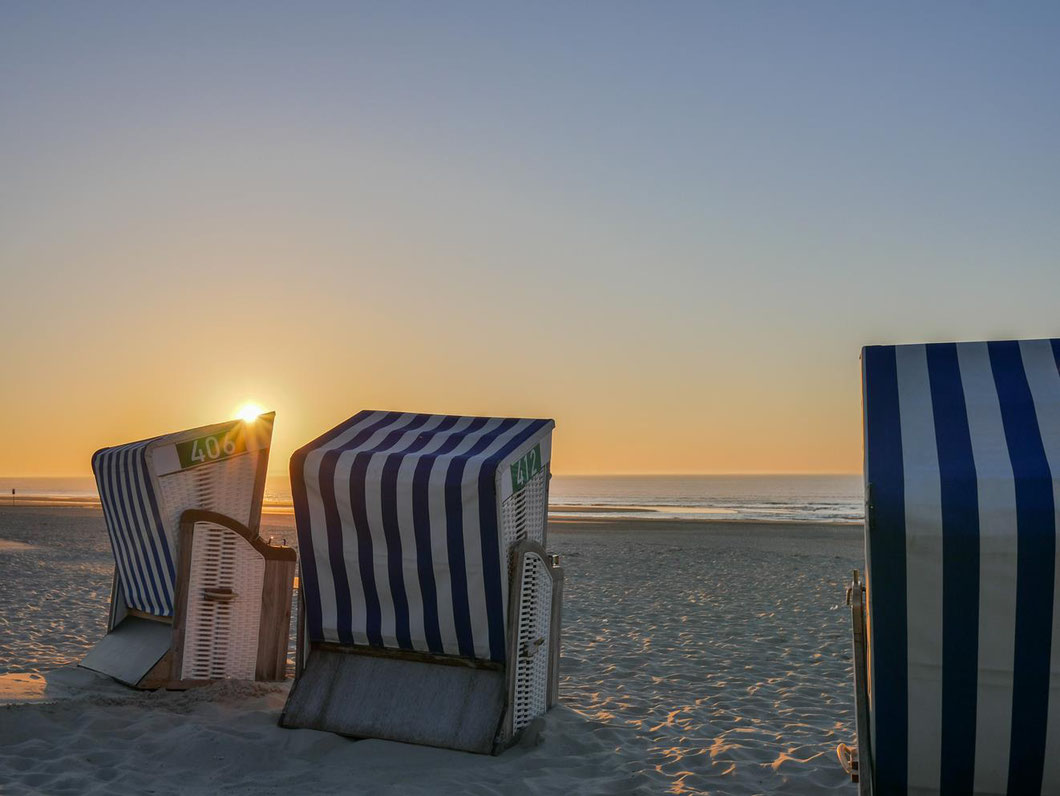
[962, 469]
[399, 537]
[145, 486]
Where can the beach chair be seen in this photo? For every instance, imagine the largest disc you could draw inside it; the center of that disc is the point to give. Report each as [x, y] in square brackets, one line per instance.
[430, 611]
[197, 596]
[957, 625]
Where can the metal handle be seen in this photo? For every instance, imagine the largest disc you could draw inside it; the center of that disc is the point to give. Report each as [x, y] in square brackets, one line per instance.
[531, 649]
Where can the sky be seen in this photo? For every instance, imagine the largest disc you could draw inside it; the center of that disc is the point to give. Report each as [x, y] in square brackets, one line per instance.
[668, 226]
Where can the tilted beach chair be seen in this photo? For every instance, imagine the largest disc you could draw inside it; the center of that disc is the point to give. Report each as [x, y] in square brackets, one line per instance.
[957, 627]
[197, 596]
[430, 609]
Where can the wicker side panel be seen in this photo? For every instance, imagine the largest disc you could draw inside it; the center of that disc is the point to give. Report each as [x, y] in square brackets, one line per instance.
[533, 655]
[224, 606]
[227, 487]
[523, 514]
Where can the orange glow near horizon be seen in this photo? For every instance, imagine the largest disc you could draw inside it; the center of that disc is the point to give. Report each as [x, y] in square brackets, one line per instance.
[681, 434]
[638, 399]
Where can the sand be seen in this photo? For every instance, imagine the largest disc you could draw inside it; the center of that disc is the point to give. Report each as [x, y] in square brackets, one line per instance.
[699, 657]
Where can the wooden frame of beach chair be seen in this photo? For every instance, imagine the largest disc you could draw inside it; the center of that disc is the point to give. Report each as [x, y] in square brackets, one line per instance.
[421, 688]
[956, 628]
[857, 760]
[154, 494]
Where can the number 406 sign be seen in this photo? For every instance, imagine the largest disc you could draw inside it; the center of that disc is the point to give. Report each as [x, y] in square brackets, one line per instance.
[213, 447]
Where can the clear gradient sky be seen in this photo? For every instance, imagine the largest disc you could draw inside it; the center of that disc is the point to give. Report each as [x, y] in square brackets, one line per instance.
[670, 226]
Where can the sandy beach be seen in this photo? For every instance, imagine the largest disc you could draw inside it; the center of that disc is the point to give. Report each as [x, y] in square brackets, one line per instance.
[698, 657]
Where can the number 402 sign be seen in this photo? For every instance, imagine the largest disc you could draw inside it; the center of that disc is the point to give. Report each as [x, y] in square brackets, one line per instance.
[526, 468]
[213, 447]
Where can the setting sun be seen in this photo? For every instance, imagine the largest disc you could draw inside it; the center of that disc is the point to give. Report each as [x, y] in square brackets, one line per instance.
[249, 411]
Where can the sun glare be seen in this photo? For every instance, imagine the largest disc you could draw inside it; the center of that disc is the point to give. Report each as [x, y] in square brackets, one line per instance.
[249, 412]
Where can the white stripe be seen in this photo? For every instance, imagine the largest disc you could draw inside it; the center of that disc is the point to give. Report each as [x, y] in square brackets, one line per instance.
[923, 528]
[410, 551]
[476, 586]
[997, 568]
[1044, 380]
[373, 509]
[317, 524]
[439, 548]
[443, 588]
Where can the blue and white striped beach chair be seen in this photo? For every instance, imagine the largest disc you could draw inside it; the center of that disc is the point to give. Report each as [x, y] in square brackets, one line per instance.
[960, 689]
[191, 575]
[429, 610]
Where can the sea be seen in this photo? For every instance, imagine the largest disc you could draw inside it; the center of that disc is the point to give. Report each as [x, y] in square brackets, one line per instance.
[761, 498]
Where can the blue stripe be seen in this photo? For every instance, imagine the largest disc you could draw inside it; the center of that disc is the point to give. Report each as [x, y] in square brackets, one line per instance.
[144, 537]
[1035, 564]
[885, 522]
[148, 593]
[106, 493]
[960, 569]
[309, 585]
[140, 536]
[333, 527]
[392, 532]
[132, 589]
[421, 522]
[136, 587]
[454, 515]
[491, 553]
[156, 516]
[362, 529]
[154, 533]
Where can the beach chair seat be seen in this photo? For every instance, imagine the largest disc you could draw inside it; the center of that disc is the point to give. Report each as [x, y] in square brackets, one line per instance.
[430, 610]
[957, 626]
[197, 595]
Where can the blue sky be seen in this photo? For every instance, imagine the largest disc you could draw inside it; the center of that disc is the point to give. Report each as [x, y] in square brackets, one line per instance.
[684, 217]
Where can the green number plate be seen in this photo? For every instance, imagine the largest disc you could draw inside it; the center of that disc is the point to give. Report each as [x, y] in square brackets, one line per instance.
[526, 468]
[213, 447]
